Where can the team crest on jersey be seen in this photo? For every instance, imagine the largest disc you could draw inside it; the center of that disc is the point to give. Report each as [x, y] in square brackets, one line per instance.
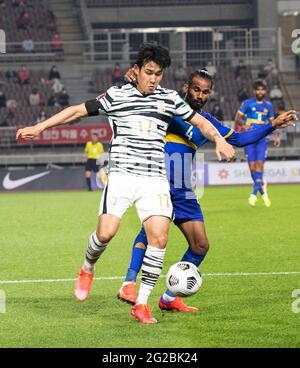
[161, 106]
[101, 96]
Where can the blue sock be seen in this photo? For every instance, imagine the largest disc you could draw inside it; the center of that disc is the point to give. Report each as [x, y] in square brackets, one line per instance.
[256, 184]
[260, 182]
[192, 257]
[137, 256]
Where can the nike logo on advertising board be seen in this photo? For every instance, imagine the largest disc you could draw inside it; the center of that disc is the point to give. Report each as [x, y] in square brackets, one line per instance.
[10, 184]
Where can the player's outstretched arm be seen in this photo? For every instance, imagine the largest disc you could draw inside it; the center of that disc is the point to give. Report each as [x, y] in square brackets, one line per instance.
[242, 139]
[63, 117]
[211, 133]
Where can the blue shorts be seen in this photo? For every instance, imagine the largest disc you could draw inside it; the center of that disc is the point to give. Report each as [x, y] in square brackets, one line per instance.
[257, 151]
[185, 206]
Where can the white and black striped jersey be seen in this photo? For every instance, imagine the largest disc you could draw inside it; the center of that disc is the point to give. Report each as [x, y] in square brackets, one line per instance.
[139, 124]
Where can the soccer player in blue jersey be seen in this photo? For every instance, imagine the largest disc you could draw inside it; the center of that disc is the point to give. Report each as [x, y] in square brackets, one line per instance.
[254, 113]
[184, 140]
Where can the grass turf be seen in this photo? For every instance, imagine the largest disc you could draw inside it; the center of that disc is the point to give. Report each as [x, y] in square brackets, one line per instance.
[43, 236]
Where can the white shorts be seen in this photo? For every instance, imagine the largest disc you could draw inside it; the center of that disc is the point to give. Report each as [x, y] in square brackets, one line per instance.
[151, 196]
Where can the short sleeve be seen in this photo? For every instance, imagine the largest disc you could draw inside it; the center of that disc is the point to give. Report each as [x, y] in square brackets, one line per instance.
[224, 130]
[182, 109]
[243, 108]
[102, 103]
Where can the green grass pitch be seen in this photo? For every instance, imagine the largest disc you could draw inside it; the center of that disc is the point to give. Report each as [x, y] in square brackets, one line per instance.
[43, 236]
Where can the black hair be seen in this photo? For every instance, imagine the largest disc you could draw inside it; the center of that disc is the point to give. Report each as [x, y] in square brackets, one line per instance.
[153, 52]
[259, 83]
[202, 73]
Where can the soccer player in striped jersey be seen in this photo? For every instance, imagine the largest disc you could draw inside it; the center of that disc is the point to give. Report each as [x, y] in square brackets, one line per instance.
[139, 116]
[253, 113]
[183, 139]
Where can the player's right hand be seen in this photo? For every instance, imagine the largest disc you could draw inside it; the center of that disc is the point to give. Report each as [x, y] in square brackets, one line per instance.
[130, 75]
[285, 119]
[28, 133]
[222, 147]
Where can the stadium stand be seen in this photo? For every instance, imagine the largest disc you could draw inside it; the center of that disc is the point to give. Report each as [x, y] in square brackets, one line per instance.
[90, 54]
[27, 17]
[30, 28]
[21, 112]
[226, 90]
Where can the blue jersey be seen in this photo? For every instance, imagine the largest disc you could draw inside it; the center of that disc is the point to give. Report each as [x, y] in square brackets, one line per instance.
[182, 141]
[255, 112]
[179, 133]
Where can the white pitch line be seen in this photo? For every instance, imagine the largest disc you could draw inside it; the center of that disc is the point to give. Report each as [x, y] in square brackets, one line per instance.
[55, 280]
[2, 282]
[251, 274]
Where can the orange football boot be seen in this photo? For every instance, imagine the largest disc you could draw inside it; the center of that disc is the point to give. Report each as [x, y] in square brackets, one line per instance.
[83, 285]
[176, 304]
[127, 293]
[142, 312]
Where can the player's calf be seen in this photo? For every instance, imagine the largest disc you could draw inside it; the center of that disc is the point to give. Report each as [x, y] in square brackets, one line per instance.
[85, 277]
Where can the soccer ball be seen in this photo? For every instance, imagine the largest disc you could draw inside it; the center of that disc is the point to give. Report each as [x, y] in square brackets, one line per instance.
[183, 279]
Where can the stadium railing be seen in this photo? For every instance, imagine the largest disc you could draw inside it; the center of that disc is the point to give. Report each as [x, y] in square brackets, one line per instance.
[198, 45]
[128, 3]
[26, 57]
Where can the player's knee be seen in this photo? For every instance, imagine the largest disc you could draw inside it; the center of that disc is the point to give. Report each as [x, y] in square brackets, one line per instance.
[104, 236]
[201, 246]
[160, 240]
